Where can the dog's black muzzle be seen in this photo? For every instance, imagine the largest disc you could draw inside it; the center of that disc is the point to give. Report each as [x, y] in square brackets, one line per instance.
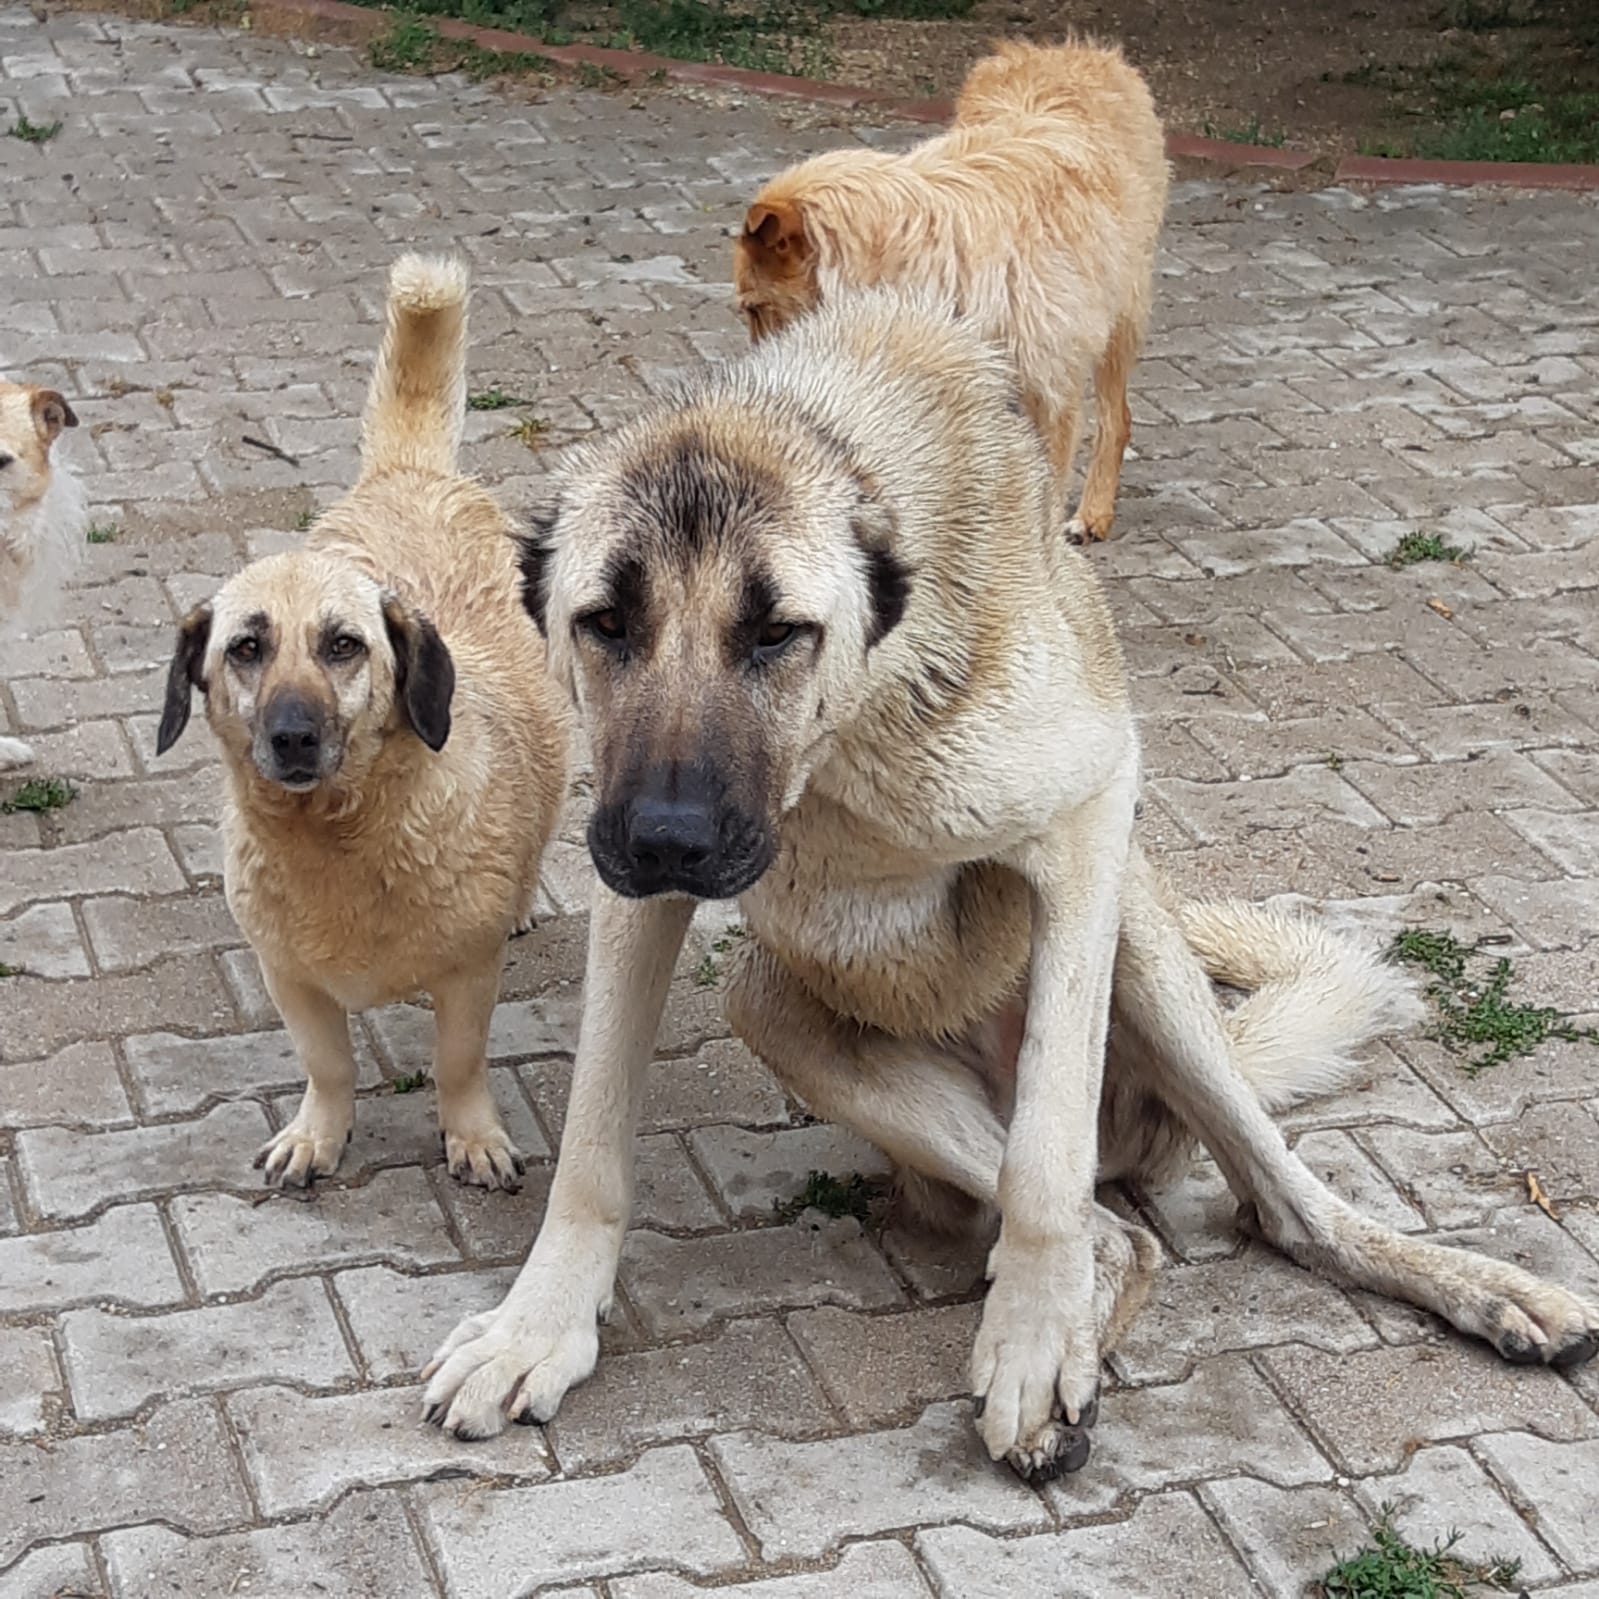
[677, 834]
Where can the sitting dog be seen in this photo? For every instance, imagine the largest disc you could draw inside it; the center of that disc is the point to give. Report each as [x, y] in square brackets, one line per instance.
[42, 515]
[834, 658]
[1037, 214]
[395, 758]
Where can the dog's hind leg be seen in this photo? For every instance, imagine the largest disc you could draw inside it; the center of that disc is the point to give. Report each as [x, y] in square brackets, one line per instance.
[1164, 996]
[477, 1148]
[1113, 427]
[921, 1105]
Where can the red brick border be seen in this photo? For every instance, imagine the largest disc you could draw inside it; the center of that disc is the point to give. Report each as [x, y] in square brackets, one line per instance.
[338, 19]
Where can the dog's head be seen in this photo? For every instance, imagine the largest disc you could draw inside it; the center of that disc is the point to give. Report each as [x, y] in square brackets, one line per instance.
[31, 420]
[774, 266]
[711, 586]
[307, 665]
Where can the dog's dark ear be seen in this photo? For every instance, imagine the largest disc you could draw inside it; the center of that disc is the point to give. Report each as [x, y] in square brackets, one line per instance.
[778, 226]
[51, 414]
[534, 550]
[184, 674]
[888, 579]
[424, 674]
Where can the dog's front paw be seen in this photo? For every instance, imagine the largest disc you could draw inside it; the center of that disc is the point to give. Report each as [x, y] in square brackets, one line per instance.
[1087, 530]
[13, 753]
[485, 1158]
[1035, 1365]
[311, 1146]
[511, 1364]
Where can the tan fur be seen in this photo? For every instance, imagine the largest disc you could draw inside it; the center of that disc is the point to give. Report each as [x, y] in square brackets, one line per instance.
[1037, 214]
[42, 517]
[404, 868]
[924, 796]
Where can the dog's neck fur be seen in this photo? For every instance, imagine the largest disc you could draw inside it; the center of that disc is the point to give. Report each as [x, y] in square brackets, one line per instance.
[41, 543]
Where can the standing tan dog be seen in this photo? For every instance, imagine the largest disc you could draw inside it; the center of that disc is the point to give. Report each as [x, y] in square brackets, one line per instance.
[834, 658]
[1037, 214]
[42, 515]
[395, 757]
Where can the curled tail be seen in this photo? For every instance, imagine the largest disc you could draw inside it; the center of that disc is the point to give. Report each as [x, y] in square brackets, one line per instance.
[417, 402]
[1314, 997]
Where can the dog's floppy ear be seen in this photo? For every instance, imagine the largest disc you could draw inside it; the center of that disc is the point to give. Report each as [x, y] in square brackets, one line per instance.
[194, 633]
[534, 550]
[424, 674]
[51, 414]
[888, 579]
[778, 226]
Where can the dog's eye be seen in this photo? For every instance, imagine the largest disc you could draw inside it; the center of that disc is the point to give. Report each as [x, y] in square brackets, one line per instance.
[345, 647]
[244, 651]
[5, 460]
[608, 625]
[774, 639]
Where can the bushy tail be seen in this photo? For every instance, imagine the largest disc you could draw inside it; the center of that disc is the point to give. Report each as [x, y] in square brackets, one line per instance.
[417, 402]
[1315, 996]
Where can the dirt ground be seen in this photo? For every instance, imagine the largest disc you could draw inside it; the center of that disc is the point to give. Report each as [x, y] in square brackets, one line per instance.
[1232, 67]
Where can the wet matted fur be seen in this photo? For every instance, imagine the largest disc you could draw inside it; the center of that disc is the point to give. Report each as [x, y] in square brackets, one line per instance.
[835, 658]
[42, 517]
[395, 757]
[1037, 213]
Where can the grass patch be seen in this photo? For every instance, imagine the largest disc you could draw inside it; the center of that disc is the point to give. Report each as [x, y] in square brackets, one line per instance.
[40, 794]
[1390, 1568]
[9, 971]
[494, 399]
[1250, 132]
[1417, 547]
[1519, 82]
[305, 521]
[100, 534]
[410, 1082]
[33, 132]
[413, 44]
[1475, 1017]
[854, 1195]
[529, 431]
[762, 35]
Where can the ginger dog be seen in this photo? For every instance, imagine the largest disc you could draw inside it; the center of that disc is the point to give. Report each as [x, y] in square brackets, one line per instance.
[1037, 214]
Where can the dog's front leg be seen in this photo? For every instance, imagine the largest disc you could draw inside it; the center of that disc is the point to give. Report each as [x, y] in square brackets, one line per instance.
[1035, 1366]
[518, 1360]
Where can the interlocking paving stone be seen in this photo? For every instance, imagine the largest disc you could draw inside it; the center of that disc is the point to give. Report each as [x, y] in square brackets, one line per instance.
[117, 1362]
[1554, 1481]
[680, 1284]
[302, 1450]
[1452, 1389]
[1289, 1537]
[77, 1086]
[122, 1256]
[31, 1378]
[175, 1468]
[662, 1511]
[1132, 1558]
[67, 1174]
[236, 1243]
[363, 1549]
[800, 1499]
[864, 1571]
[49, 1573]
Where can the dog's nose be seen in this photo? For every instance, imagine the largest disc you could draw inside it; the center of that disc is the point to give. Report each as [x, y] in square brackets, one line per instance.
[669, 839]
[297, 736]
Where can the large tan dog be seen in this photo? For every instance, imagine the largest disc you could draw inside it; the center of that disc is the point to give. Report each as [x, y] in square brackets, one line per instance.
[395, 758]
[42, 516]
[1037, 214]
[834, 657]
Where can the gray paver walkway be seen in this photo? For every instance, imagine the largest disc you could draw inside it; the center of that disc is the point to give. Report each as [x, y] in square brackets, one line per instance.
[204, 1394]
